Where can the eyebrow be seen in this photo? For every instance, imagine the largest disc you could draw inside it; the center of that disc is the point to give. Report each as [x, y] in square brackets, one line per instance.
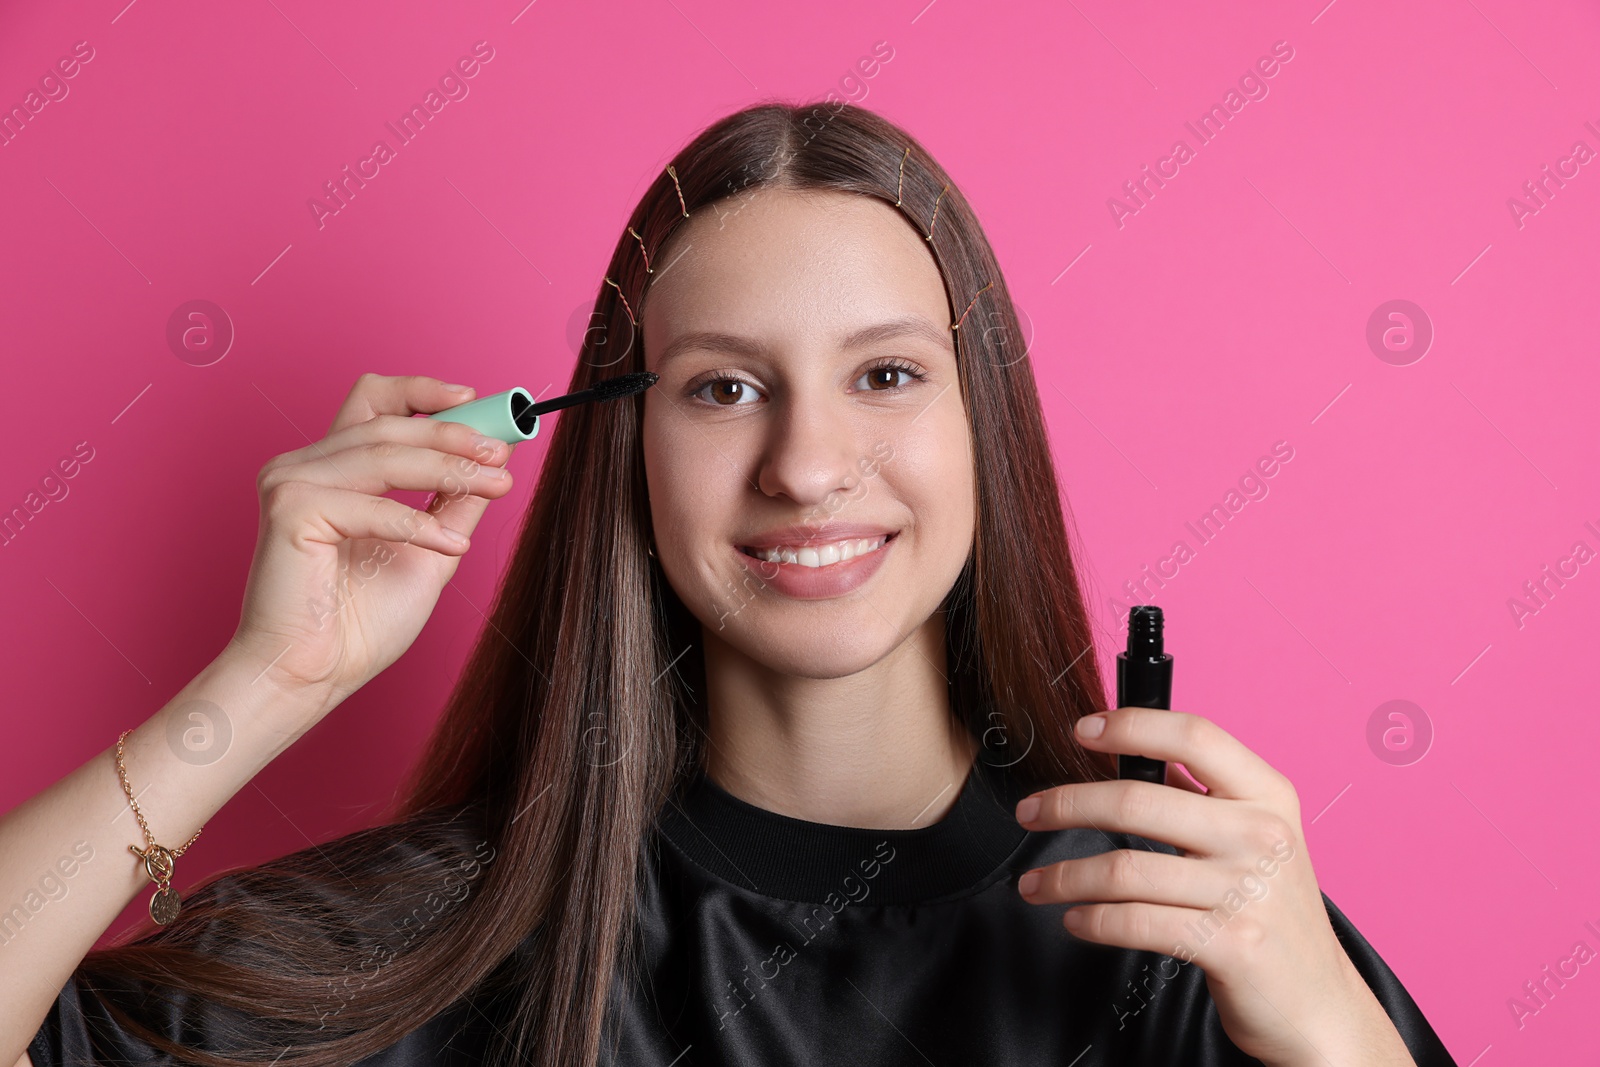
[914, 326]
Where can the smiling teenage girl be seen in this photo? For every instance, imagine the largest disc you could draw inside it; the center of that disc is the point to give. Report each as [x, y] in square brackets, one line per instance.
[749, 801]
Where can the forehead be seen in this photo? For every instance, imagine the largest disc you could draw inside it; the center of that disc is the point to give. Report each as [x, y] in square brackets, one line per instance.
[783, 263]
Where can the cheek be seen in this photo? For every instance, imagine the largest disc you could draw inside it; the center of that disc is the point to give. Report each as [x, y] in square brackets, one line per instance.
[931, 475]
[688, 481]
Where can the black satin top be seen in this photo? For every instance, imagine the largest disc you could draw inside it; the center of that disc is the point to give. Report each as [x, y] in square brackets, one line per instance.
[772, 941]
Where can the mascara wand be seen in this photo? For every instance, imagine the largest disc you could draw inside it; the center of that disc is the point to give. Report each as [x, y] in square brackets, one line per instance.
[513, 416]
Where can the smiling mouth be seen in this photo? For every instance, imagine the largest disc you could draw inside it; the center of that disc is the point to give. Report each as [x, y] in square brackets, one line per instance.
[823, 555]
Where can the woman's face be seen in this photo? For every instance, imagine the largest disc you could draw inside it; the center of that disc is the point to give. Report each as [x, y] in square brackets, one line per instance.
[790, 329]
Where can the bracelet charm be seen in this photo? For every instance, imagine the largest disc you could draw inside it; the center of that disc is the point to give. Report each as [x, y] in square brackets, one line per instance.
[158, 860]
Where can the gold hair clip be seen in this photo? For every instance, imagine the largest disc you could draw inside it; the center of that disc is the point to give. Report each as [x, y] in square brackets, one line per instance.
[899, 194]
[624, 300]
[648, 269]
[975, 296]
[935, 220]
[642, 251]
[899, 199]
[675, 185]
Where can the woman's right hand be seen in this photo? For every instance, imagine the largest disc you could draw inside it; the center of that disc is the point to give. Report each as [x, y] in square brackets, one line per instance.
[344, 577]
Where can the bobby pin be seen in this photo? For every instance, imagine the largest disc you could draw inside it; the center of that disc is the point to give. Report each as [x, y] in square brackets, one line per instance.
[935, 220]
[678, 187]
[963, 317]
[648, 269]
[624, 299]
[899, 194]
[642, 252]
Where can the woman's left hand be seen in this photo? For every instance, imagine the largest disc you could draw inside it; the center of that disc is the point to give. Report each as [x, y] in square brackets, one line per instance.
[1241, 900]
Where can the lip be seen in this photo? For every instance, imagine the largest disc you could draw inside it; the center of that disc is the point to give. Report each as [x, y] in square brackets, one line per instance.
[817, 583]
[805, 534]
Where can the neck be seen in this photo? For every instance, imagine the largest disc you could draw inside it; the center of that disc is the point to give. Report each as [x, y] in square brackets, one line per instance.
[880, 748]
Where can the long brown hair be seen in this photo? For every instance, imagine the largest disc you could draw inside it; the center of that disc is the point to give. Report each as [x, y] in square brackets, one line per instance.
[512, 862]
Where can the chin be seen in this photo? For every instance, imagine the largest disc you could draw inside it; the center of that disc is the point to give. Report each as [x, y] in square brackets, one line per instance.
[803, 645]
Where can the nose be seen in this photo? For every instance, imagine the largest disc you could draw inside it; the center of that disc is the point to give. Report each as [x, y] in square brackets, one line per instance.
[812, 452]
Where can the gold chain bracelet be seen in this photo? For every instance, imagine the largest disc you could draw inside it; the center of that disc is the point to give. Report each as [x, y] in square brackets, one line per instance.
[158, 863]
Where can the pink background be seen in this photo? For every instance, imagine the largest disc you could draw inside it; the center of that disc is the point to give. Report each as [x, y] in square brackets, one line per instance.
[1229, 313]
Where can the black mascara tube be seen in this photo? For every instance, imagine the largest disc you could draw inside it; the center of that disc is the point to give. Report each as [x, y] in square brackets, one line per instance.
[1144, 680]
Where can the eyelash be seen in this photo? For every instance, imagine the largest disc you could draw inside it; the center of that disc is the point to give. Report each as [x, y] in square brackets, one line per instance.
[893, 363]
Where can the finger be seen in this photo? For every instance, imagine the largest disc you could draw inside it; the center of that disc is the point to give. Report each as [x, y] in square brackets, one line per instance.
[1170, 930]
[332, 515]
[1189, 821]
[1127, 874]
[459, 511]
[382, 394]
[1216, 758]
[454, 438]
[385, 465]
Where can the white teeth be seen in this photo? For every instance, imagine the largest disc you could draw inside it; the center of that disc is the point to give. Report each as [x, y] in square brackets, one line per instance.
[820, 555]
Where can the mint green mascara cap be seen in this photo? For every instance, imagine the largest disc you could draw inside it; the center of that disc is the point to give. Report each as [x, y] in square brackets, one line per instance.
[503, 415]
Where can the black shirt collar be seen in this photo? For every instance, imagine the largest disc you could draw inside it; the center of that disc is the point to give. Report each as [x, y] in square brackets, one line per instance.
[775, 855]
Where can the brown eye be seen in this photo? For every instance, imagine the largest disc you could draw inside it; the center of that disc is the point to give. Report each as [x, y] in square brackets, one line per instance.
[726, 392]
[884, 375]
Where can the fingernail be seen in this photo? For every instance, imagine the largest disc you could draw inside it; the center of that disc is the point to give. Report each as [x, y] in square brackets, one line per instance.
[1028, 883]
[459, 388]
[1028, 810]
[1091, 726]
